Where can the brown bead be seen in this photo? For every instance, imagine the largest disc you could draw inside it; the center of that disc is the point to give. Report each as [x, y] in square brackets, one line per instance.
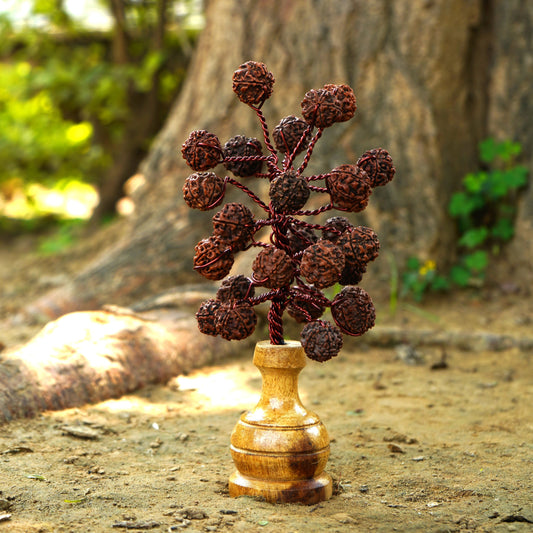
[206, 317]
[203, 190]
[212, 258]
[320, 108]
[235, 321]
[359, 244]
[321, 340]
[348, 187]
[346, 98]
[352, 273]
[353, 311]
[300, 237]
[202, 150]
[334, 227]
[235, 288]
[234, 225]
[377, 164]
[246, 147]
[252, 83]
[306, 306]
[322, 264]
[288, 133]
[288, 192]
[273, 268]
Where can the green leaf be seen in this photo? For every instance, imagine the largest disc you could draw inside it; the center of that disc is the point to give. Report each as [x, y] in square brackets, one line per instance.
[440, 283]
[507, 150]
[413, 263]
[488, 150]
[473, 182]
[463, 203]
[460, 275]
[474, 237]
[477, 261]
[503, 229]
[516, 177]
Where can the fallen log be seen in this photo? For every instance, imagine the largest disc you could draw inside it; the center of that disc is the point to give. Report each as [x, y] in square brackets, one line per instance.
[86, 357]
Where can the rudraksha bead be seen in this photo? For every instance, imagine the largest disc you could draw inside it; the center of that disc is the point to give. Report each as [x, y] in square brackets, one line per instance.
[346, 98]
[322, 264]
[300, 237]
[212, 258]
[273, 268]
[235, 288]
[353, 311]
[202, 150]
[321, 340]
[241, 146]
[203, 190]
[288, 192]
[352, 273]
[348, 187]
[320, 108]
[377, 164]
[287, 135]
[359, 244]
[206, 317]
[306, 306]
[235, 321]
[334, 227]
[252, 83]
[234, 224]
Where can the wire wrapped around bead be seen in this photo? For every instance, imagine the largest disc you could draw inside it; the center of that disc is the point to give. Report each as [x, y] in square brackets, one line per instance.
[202, 150]
[235, 321]
[322, 264]
[334, 227]
[348, 187]
[206, 317]
[377, 164]
[288, 192]
[245, 147]
[252, 83]
[353, 311]
[203, 190]
[212, 258]
[289, 132]
[273, 268]
[321, 340]
[234, 225]
[235, 288]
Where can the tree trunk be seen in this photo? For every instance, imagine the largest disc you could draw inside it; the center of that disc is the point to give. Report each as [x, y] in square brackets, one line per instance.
[432, 79]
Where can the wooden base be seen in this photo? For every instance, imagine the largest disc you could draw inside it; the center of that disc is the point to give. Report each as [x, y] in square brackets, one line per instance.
[280, 448]
[306, 491]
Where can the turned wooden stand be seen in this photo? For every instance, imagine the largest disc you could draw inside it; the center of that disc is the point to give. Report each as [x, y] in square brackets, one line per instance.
[280, 448]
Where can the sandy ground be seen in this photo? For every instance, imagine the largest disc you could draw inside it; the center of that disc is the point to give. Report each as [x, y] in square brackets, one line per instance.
[413, 447]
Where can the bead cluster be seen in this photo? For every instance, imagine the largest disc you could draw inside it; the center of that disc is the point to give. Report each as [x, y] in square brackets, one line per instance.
[301, 258]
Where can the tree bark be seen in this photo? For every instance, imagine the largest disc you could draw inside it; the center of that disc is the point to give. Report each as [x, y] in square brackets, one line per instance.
[432, 80]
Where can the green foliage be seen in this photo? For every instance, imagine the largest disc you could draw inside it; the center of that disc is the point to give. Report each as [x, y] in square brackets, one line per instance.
[419, 278]
[484, 211]
[70, 104]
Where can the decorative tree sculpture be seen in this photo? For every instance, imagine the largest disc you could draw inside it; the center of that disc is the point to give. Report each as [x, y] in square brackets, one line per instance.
[279, 448]
[297, 263]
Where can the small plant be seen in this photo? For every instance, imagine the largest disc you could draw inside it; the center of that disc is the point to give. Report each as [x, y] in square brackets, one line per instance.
[298, 262]
[485, 209]
[420, 278]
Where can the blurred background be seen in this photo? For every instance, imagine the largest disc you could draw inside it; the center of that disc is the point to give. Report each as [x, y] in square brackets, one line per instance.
[96, 97]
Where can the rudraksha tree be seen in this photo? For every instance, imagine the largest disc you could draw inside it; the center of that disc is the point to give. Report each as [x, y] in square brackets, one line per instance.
[301, 258]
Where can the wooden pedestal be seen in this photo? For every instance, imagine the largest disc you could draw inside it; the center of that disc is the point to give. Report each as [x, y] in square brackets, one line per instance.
[279, 448]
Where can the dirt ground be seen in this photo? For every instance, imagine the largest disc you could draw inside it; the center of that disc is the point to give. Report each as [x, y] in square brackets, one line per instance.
[425, 447]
